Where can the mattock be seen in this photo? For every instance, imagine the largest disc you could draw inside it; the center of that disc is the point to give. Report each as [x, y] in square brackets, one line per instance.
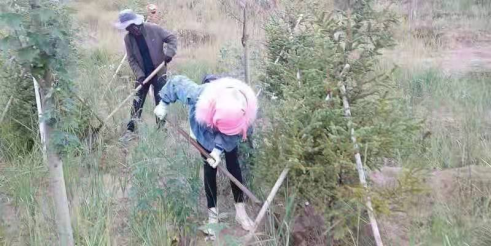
[220, 167]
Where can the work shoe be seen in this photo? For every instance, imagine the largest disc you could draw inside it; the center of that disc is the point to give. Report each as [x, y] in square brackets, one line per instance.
[213, 218]
[242, 217]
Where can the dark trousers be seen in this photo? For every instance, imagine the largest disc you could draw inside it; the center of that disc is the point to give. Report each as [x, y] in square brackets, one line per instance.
[139, 101]
[210, 178]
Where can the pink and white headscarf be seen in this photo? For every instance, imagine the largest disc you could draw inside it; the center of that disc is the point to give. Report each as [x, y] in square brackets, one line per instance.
[228, 105]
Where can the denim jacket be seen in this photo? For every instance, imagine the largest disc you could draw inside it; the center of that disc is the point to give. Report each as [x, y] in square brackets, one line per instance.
[181, 88]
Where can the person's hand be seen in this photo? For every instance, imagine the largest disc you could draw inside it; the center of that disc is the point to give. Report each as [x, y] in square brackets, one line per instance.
[161, 110]
[168, 59]
[214, 161]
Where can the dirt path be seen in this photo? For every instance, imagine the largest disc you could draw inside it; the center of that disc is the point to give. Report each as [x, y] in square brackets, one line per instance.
[461, 52]
[9, 223]
[466, 59]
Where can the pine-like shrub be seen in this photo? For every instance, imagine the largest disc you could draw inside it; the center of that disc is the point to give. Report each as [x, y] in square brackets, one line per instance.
[309, 133]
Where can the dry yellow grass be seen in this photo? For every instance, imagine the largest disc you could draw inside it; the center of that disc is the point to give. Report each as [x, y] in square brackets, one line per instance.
[206, 18]
[97, 27]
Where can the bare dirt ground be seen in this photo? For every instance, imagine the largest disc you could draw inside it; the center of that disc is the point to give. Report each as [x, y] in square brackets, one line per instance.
[8, 221]
[466, 53]
[459, 52]
[9, 217]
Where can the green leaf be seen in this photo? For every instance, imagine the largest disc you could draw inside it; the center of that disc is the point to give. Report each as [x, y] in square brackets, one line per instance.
[11, 20]
[41, 41]
[9, 43]
[27, 54]
[44, 14]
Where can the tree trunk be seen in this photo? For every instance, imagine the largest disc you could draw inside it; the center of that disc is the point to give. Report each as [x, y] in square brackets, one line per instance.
[244, 41]
[412, 10]
[55, 166]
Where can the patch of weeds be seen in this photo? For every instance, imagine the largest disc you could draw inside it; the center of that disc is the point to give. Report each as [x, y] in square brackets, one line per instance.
[457, 115]
[165, 190]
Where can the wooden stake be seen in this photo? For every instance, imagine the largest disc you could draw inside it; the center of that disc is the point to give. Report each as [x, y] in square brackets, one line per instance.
[55, 167]
[6, 108]
[358, 160]
[114, 75]
[266, 205]
[163, 64]
[207, 155]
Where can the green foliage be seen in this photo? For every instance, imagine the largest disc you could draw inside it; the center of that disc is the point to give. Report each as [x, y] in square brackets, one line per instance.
[457, 116]
[16, 131]
[92, 213]
[165, 189]
[37, 41]
[195, 70]
[23, 182]
[456, 211]
[310, 134]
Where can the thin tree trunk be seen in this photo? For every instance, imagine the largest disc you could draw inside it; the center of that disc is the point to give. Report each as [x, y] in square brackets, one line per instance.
[246, 44]
[55, 166]
[6, 108]
[358, 160]
[412, 10]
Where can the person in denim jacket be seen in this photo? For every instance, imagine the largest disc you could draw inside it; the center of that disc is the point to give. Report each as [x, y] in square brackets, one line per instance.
[221, 113]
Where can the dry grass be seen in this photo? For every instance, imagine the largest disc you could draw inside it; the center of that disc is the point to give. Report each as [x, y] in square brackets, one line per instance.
[206, 18]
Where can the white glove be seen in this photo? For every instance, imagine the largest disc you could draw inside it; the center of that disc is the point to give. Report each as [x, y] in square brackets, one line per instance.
[191, 134]
[215, 160]
[161, 111]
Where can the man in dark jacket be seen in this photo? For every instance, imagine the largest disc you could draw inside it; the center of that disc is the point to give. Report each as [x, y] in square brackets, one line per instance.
[145, 51]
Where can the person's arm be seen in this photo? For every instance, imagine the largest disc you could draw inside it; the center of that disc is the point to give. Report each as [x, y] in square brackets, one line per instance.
[171, 41]
[180, 88]
[132, 60]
